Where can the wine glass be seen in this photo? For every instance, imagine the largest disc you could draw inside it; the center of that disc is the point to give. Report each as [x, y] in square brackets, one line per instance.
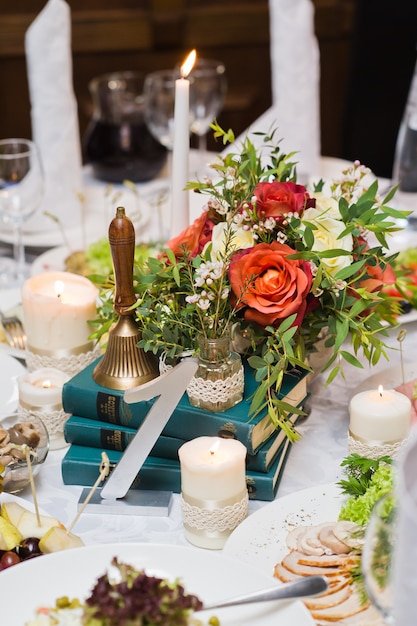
[377, 555]
[208, 87]
[21, 192]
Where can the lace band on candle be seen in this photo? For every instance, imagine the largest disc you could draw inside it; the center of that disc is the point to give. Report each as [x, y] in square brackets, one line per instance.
[374, 449]
[216, 391]
[72, 362]
[214, 516]
[54, 420]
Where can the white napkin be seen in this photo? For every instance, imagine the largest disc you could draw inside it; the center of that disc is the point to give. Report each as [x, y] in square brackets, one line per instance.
[295, 76]
[54, 115]
[405, 556]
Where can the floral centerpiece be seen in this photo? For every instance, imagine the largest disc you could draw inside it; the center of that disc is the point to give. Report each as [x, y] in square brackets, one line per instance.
[280, 266]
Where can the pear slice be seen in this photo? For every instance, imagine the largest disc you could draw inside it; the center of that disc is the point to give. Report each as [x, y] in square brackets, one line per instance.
[12, 511]
[57, 538]
[10, 537]
[29, 527]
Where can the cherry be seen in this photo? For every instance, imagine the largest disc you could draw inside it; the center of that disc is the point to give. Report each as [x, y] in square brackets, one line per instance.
[29, 548]
[8, 559]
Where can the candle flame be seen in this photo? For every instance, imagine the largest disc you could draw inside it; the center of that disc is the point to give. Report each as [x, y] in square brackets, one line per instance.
[46, 384]
[214, 447]
[59, 288]
[188, 64]
[380, 390]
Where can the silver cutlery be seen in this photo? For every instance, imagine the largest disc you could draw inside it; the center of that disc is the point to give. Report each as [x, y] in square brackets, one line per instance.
[14, 331]
[308, 586]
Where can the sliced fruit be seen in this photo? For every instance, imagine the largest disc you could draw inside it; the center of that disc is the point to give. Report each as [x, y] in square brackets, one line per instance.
[57, 538]
[12, 511]
[29, 527]
[10, 537]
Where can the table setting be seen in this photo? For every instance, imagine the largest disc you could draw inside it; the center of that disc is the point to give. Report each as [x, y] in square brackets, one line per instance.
[231, 368]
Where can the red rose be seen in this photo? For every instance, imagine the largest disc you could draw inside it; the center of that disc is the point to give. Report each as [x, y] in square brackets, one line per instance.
[269, 285]
[275, 199]
[194, 237]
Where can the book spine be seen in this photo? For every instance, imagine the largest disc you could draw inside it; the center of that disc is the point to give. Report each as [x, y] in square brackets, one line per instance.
[80, 466]
[91, 433]
[103, 405]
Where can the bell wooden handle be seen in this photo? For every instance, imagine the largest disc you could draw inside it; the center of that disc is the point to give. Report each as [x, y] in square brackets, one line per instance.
[122, 246]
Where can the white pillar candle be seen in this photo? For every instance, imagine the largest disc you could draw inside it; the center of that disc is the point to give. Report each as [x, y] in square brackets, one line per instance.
[40, 394]
[213, 478]
[380, 415]
[57, 307]
[180, 154]
[42, 388]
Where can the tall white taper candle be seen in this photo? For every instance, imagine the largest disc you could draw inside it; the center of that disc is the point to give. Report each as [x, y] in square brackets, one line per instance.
[181, 149]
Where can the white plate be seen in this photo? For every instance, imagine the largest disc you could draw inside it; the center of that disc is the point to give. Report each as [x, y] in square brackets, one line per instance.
[10, 370]
[209, 575]
[260, 540]
[388, 378]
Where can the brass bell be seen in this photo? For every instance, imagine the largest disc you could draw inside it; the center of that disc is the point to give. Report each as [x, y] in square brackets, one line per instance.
[124, 365]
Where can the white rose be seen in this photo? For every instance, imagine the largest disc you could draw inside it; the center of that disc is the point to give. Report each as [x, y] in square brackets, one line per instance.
[326, 238]
[235, 236]
[325, 207]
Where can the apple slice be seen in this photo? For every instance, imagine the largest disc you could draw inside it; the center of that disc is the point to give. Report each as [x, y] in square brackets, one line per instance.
[28, 524]
[57, 538]
[10, 537]
[12, 511]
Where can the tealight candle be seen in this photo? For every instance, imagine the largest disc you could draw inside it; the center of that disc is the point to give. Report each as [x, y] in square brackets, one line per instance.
[40, 394]
[180, 154]
[379, 418]
[57, 308]
[213, 488]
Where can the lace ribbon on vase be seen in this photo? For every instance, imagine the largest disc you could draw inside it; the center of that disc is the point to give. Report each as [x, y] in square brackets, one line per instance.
[216, 390]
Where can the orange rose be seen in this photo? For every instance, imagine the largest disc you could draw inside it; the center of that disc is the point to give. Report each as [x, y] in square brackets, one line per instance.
[275, 199]
[270, 286]
[194, 237]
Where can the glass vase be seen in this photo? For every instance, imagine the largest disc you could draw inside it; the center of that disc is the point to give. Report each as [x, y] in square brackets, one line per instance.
[219, 380]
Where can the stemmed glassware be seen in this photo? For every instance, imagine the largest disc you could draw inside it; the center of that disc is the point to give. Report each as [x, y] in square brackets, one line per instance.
[208, 87]
[21, 192]
[377, 556]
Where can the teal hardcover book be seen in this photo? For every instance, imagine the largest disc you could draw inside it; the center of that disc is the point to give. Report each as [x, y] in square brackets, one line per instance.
[83, 431]
[81, 466]
[82, 396]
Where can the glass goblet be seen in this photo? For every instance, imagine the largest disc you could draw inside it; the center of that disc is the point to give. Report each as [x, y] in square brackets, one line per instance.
[377, 555]
[208, 87]
[21, 192]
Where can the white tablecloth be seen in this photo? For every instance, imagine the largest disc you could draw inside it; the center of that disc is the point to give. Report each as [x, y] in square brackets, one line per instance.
[314, 460]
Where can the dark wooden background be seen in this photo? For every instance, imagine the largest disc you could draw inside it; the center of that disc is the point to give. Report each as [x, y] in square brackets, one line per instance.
[155, 34]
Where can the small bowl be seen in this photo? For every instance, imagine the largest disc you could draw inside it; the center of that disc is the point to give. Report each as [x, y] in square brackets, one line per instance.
[19, 430]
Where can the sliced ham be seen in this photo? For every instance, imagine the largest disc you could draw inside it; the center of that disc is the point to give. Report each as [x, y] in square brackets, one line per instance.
[326, 600]
[308, 568]
[351, 606]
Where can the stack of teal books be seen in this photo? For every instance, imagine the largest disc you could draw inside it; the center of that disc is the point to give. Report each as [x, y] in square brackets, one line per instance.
[100, 420]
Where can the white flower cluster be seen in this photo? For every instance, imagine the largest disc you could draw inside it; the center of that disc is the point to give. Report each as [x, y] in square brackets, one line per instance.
[208, 278]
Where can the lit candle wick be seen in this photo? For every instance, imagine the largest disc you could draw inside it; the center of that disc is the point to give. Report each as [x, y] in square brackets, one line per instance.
[59, 288]
[214, 448]
[380, 390]
[188, 64]
[46, 384]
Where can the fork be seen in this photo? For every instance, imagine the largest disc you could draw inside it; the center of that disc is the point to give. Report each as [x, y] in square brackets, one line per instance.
[14, 331]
